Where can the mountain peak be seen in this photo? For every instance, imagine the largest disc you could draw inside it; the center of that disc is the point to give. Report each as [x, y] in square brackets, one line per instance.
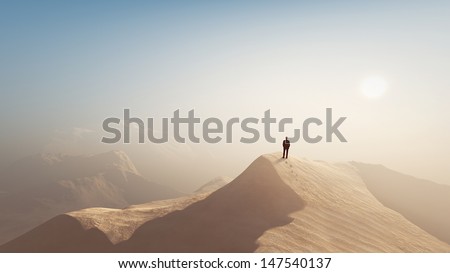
[49, 158]
[117, 159]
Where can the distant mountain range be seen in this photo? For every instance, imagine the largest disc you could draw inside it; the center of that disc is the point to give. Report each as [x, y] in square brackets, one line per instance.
[214, 184]
[39, 187]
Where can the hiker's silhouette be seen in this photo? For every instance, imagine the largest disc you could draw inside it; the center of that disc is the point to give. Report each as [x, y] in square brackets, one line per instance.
[286, 145]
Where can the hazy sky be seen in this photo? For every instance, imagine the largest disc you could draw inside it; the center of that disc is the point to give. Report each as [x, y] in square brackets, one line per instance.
[65, 66]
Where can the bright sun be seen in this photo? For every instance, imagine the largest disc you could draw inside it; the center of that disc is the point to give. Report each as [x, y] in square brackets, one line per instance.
[374, 86]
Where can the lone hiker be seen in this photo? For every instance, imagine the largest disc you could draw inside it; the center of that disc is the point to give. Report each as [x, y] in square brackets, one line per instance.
[286, 145]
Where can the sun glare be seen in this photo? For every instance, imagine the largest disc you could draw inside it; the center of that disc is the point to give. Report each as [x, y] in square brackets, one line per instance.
[374, 86]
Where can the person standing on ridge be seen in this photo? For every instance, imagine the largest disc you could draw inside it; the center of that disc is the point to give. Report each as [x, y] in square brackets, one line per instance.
[286, 145]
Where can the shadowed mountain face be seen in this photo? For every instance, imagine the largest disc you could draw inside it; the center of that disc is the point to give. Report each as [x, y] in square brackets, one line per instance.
[275, 205]
[424, 203]
[39, 187]
[59, 227]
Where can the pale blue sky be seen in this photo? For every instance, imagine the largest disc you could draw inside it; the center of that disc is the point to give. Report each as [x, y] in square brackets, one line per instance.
[70, 64]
